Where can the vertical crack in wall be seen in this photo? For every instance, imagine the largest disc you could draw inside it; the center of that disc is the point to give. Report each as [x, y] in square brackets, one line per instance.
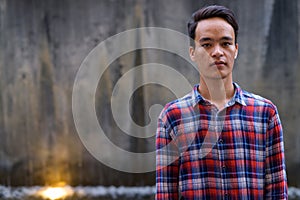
[47, 121]
[138, 103]
[269, 11]
[282, 43]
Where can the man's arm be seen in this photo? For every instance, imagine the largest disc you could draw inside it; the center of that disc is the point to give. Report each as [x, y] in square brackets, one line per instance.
[167, 164]
[275, 177]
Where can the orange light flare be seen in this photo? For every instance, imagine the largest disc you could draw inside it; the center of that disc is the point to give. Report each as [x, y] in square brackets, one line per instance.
[60, 191]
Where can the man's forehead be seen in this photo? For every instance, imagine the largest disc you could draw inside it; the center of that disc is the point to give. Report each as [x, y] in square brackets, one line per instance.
[214, 27]
[214, 21]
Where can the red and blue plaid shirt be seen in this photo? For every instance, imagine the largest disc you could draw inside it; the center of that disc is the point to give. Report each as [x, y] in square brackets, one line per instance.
[206, 153]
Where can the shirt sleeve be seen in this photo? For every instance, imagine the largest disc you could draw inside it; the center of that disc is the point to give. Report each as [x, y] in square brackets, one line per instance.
[167, 163]
[275, 177]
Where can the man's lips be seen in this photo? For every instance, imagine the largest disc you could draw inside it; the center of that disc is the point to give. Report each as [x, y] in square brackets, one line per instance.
[218, 63]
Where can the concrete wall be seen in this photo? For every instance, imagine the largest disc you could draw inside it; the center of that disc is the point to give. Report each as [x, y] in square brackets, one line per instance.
[43, 43]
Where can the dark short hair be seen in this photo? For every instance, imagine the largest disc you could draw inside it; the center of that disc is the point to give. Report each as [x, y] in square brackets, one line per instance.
[210, 12]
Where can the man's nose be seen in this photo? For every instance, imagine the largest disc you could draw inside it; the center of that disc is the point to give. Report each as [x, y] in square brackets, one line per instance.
[217, 51]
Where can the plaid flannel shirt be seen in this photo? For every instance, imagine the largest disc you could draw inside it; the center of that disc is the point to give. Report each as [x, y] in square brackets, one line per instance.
[206, 153]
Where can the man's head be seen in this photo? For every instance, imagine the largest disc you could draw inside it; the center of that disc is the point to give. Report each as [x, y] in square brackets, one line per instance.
[214, 48]
[211, 12]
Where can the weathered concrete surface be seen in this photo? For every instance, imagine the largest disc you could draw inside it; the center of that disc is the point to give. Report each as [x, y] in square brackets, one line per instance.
[42, 44]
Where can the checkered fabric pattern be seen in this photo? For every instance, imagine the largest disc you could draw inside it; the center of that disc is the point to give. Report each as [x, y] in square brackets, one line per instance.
[233, 153]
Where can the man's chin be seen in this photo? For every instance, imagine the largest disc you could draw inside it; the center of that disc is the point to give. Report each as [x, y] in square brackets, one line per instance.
[214, 77]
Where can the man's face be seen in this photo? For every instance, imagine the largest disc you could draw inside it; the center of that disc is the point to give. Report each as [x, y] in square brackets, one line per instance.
[215, 48]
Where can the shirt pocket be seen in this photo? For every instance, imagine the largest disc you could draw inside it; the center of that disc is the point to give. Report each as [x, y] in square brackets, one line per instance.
[253, 140]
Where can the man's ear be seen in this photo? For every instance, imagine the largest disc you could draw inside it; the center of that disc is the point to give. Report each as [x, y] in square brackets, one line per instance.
[192, 53]
[237, 51]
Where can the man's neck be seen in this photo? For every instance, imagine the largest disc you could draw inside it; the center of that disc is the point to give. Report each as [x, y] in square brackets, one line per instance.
[217, 91]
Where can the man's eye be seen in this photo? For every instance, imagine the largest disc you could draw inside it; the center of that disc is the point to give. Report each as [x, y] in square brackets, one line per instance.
[206, 45]
[226, 44]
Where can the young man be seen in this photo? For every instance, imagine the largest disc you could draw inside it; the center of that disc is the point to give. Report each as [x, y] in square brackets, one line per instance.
[219, 141]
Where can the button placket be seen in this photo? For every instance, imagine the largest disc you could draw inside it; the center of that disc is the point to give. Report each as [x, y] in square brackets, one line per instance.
[226, 196]
[224, 168]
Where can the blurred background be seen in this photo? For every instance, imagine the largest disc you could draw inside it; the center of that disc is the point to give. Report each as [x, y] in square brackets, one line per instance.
[43, 43]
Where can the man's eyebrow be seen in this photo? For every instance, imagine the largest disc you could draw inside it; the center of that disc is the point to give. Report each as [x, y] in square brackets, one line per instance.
[227, 38]
[205, 39]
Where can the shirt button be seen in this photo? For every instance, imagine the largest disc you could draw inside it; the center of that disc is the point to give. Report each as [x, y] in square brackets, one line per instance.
[220, 141]
[224, 167]
[226, 196]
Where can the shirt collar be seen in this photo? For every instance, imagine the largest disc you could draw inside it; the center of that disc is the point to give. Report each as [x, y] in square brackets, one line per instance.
[238, 96]
[196, 96]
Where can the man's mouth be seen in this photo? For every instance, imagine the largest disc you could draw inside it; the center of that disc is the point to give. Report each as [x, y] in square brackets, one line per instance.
[218, 63]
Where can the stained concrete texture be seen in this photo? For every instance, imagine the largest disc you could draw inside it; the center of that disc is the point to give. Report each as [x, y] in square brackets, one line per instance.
[44, 42]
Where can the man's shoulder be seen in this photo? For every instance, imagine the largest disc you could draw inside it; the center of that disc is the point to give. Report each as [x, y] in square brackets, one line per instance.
[181, 102]
[252, 99]
[177, 105]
